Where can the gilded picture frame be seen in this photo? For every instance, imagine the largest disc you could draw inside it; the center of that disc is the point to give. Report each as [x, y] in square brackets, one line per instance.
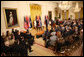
[11, 18]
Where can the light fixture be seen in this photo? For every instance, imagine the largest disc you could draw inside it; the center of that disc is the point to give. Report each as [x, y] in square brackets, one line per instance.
[77, 9]
[65, 5]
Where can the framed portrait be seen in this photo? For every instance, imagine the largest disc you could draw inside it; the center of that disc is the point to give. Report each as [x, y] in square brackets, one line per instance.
[11, 17]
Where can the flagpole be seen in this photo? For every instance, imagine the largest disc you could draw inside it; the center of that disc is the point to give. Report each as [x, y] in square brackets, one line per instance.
[28, 17]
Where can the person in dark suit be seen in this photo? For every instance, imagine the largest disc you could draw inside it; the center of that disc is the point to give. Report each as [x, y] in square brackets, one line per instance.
[29, 41]
[30, 37]
[52, 22]
[46, 24]
[57, 21]
[2, 46]
[16, 34]
[37, 22]
[24, 47]
[13, 31]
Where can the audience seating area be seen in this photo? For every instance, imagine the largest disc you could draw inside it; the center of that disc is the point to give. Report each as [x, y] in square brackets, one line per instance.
[16, 43]
[64, 38]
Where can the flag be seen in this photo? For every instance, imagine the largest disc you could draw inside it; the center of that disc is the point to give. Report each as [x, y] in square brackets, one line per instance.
[27, 20]
[46, 18]
[25, 24]
[40, 21]
[30, 22]
[38, 18]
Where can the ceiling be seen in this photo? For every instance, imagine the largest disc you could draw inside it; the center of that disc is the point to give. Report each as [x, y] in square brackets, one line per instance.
[73, 3]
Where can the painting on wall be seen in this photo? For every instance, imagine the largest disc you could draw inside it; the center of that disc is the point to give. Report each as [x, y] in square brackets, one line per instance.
[11, 18]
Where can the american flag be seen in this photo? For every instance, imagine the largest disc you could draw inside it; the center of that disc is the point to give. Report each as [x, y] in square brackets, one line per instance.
[30, 22]
[40, 21]
[27, 19]
[46, 18]
[25, 24]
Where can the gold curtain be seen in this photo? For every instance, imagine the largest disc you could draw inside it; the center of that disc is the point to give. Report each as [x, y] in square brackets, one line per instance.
[76, 15]
[35, 10]
[56, 12]
[67, 14]
[81, 13]
[63, 15]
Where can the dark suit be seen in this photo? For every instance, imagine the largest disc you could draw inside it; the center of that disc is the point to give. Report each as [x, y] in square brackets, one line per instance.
[24, 47]
[46, 24]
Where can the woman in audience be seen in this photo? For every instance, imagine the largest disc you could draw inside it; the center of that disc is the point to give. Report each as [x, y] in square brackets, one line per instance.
[7, 35]
[47, 42]
[3, 35]
[53, 38]
[13, 31]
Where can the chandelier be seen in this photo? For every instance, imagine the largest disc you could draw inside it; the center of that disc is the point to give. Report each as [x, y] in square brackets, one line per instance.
[64, 5]
[77, 9]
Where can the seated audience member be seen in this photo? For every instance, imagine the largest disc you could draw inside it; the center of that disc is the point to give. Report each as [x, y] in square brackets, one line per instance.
[76, 37]
[51, 30]
[79, 26]
[52, 22]
[3, 35]
[74, 24]
[2, 46]
[24, 46]
[56, 28]
[53, 38]
[9, 38]
[46, 33]
[59, 34]
[18, 48]
[6, 47]
[76, 29]
[81, 34]
[13, 32]
[59, 42]
[57, 21]
[27, 37]
[53, 33]
[70, 31]
[7, 35]
[30, 37]
[18, 36]
[63, 30]
[2, 40]
[47, 42]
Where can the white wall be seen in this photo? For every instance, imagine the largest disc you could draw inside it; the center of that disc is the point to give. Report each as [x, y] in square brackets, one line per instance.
[23, 9]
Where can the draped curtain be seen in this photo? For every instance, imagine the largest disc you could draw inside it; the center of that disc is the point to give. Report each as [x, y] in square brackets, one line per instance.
[81, 13]
[79, 16]
[76, 15]
[35, 10]
[63, 14]
[56, 12]
[67, 14]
